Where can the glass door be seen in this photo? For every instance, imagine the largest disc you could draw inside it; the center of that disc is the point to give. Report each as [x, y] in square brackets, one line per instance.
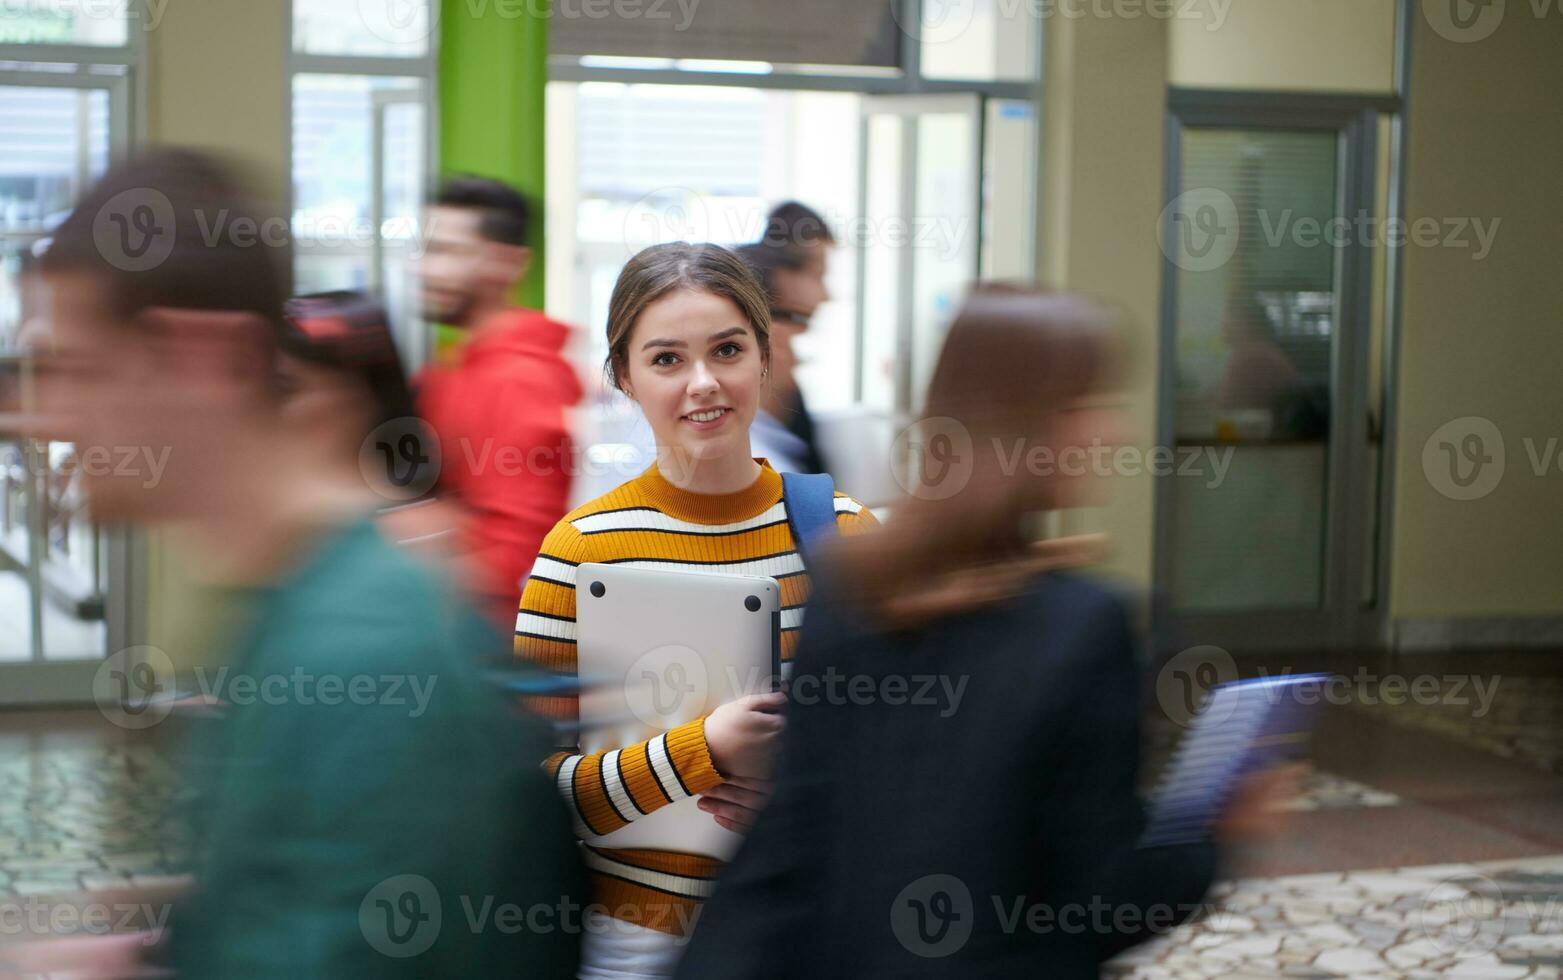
[1267, 322]
[59, 573]
[922, 194]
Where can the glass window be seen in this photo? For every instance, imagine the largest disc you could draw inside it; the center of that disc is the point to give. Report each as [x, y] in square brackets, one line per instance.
[102, 23]
[635, 165]
[1009, 187]
[358, 176]
[379, 28]
[881, 263]
[57, 140]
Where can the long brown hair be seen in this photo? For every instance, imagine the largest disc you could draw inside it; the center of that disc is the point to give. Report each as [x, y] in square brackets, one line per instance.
[656, 271]
[1012, 360]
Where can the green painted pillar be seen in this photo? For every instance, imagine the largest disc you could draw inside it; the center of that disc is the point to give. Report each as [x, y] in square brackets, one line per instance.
[493, 67]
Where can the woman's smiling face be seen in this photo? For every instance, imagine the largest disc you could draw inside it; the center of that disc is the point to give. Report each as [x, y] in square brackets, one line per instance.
[694, 365]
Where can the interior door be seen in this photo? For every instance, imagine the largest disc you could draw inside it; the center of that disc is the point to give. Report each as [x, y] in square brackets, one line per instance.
[1267, 323]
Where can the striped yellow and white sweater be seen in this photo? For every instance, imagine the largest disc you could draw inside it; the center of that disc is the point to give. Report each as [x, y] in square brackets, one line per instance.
[649, 520]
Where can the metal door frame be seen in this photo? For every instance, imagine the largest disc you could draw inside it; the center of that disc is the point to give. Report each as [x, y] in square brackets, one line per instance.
[1342, 619]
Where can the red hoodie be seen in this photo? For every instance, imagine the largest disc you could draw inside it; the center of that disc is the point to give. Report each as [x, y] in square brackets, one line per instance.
[505, 447]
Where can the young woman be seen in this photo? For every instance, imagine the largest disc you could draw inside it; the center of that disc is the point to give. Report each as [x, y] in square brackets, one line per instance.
[981, 830]
[688, 339]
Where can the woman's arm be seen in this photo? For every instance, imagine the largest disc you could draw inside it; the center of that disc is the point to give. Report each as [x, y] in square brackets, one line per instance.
[605, 790]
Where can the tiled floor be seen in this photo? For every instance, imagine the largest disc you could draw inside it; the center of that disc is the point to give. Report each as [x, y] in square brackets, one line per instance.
[82, 807]
[1493, 920]
[1524, 720]
[1365, 883]
[1427, 842]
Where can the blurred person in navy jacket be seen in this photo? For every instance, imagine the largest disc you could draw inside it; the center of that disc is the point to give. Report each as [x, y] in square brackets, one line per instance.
[956, 794]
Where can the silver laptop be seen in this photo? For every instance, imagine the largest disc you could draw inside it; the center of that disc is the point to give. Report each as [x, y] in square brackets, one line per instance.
[659, 648]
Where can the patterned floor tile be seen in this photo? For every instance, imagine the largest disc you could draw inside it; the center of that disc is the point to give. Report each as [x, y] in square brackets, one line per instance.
[86, 818]
[1497, 920]
[1521, 721]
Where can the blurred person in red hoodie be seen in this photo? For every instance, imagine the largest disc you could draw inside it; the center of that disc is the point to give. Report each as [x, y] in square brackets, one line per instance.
[499, 403]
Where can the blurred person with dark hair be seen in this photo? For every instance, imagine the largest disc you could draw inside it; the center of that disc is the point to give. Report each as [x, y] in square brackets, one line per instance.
[343, 380]
[1015, 783]
[500, 410]
[339, 369]
[338, 349]
[791, 261]
[335, 820]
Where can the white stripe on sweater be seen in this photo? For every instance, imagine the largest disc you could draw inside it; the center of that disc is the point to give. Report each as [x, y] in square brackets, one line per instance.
[566, 781]
[774, 567]
[558, 629]
[663, 767]
[697, 888]
[846, 505]
[553, 570]
[655, 520]
[618, 795]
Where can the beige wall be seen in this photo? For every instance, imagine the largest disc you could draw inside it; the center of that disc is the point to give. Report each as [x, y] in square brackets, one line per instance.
[1484, 338]
[1101, 195]
[216, 78]
[1318, 45]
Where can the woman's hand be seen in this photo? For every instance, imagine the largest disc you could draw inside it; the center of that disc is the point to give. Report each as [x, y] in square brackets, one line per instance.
[1257, 811]
[112, 957]
[736, 804]
[743, 734]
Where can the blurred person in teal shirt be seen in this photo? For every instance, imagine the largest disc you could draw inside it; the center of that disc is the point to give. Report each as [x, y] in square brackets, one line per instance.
[371, 805]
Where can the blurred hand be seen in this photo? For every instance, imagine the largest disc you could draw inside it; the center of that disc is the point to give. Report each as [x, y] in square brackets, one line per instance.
[1256, 813]
[737, 803]
[743, 735]
[1072, 551]
[113, 957]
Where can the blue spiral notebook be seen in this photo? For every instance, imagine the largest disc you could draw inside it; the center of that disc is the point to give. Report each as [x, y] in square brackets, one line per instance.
[1243, 727]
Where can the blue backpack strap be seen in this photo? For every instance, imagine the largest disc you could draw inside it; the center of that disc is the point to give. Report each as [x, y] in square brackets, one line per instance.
[811, 508]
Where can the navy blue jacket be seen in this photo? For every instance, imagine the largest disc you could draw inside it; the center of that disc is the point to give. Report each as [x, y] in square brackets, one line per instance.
[959, 801]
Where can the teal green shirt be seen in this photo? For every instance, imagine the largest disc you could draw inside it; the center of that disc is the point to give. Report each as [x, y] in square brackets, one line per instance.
[371, 806]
